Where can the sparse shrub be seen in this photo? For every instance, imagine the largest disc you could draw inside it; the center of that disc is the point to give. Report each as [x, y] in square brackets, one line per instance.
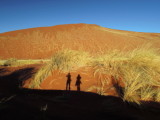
[10, 62]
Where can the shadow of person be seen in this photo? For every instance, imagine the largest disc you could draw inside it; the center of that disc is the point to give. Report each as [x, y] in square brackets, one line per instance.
[68, 83]
[78, 82]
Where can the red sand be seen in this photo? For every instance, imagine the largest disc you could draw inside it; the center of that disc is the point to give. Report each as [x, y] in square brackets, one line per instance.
[43, 42]
[10, 77]
[30, 44]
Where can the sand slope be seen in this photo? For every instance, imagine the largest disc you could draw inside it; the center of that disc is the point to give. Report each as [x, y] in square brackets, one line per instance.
[43, 42]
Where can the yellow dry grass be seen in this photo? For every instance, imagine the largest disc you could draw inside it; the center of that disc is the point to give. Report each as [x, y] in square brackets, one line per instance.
[65, 60]
[16, 62]
[139, 70]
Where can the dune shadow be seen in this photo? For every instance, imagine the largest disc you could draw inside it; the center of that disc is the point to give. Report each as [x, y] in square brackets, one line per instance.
[87, 103]
[2, 71]
[15, 80]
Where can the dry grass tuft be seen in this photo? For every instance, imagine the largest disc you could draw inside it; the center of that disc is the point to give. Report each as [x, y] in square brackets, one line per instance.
[15, 62]
[138, 70]
[10, 62]
[65, 61]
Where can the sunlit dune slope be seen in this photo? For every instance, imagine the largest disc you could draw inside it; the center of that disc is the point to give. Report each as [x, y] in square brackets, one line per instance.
[89, 50]
[43, 42]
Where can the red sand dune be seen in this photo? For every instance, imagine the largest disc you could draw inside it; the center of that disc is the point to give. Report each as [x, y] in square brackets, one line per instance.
[43, 42]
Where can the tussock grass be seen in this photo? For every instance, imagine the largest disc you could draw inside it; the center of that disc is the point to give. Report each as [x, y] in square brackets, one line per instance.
[68, 60]
[15, 62]
[41, 75]
[141, 75]
[65, 61]
[157, 96]
[10, 62]
[2, 62]
[105, 65]
[138, 70]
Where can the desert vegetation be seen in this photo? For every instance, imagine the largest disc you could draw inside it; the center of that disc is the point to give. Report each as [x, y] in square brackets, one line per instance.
[112, 63]
[17, 62]
[135, 75]
[64, 61]
[138, 70]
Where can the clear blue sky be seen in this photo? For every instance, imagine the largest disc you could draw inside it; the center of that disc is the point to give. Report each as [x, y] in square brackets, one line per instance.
[132, 15]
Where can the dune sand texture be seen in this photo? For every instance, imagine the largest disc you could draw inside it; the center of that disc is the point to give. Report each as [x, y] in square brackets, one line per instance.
[43, 42]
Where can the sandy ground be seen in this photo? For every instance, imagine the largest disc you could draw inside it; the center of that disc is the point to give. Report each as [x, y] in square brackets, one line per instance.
[23, 104]
[22, 76]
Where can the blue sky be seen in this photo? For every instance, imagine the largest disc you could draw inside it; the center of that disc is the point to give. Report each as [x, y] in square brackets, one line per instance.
[131, 15]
